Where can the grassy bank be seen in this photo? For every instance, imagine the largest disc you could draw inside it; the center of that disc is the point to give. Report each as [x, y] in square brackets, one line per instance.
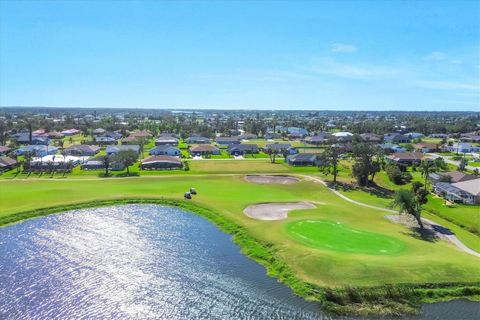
[396, 300]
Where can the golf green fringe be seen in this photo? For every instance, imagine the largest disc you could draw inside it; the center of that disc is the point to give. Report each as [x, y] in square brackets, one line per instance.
[392, 300]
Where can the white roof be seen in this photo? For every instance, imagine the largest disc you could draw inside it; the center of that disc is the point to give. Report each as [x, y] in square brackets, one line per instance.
[342, 134]
[57, 158]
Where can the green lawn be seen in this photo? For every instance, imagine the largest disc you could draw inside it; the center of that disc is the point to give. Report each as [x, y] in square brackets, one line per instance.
[418, 262]
[466, 216]
[339, 237]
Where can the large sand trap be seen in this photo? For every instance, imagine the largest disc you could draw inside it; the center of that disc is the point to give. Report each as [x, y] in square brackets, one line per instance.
[272, 179]
[275, 211]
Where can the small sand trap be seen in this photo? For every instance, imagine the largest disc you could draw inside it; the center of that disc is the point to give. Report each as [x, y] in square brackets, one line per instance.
[275, 211]
[272, 179]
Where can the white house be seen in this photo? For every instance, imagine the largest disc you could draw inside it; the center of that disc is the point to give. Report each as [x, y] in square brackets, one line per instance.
[463, 147]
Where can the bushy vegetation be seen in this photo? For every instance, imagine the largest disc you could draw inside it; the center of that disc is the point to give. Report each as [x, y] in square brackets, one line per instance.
[396, 175]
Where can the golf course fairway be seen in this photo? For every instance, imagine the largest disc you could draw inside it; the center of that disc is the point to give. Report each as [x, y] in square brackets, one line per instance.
[340, 237]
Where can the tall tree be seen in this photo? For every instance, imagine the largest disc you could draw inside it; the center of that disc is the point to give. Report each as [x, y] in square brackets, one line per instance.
[463, 164]
[127, 157]
[329, 160]
[365, 165]
[106, 164]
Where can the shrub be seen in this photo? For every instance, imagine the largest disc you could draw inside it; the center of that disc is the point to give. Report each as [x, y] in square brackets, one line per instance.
[394, 174]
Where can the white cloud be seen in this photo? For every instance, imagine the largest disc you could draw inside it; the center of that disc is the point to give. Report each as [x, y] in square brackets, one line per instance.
[343, 48]
[435, 56]
[456, 61]
[365, 72]
[445, 85]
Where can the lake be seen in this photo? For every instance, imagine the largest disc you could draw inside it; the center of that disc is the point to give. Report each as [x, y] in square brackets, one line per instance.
[145, 262]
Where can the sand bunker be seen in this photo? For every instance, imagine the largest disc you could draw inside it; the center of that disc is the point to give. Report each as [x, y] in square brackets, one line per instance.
[272, 179]
[275, 211]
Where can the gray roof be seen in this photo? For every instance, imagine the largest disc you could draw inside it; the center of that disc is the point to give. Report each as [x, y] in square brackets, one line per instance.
[470, 186]
[124, 147]
[163, 148]
[278, 146]
[304, 157]
[244, 147]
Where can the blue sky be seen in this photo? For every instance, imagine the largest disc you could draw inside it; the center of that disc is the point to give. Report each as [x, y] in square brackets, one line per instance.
[375, 55]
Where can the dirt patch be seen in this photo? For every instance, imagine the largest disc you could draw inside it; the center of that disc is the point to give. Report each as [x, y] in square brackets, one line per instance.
[275, 211]
[272, 179]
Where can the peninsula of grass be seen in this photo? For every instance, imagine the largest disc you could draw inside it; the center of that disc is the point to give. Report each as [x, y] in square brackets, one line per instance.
[344, 282]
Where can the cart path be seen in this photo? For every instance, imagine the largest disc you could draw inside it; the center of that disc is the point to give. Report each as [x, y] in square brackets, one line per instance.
[440, 231]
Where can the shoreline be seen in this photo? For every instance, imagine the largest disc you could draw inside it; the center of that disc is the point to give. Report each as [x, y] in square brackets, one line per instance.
[385, 300]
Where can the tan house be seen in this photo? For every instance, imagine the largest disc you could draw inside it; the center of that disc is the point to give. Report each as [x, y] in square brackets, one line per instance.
[203, 149]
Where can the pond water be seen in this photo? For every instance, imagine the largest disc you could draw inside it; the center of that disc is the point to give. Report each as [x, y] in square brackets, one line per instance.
[145, 262]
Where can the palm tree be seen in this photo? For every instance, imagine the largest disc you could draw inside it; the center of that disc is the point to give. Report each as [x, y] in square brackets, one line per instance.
[64, 154]
[28, 158]
[406, 202]
[426, 167]
[106, 164]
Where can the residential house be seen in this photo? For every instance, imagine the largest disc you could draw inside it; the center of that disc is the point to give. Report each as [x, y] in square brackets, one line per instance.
[426, 147]
[227, 141]
[70, 132]
[395, 138]
[141, 134]
[24, 138]
[392, 148]
[203, 149]
[343, 136]
[101, 140]
[4, 150]
[247, 136]
[318, 139]
[98, 163]
[451, 177]
[55, 135]
[244, 148]
[128, 147]
[414, 135]
[37, 150]
[39, 132]
[161, 163]
[197, 140]
[293, 130]
[467, 192]
[439, 135]
[371, 137]
[407, 158]
[165, 150]
[54, 163]
[462, 147]
[166, 141]
[280, 148]
[99, 131]
[82, 150]
[272, 136]
[304, 159]
[7, 163]
[470, 137]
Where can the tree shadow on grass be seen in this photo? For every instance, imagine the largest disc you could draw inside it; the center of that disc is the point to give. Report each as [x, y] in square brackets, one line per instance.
[372, 189]
[422, 234]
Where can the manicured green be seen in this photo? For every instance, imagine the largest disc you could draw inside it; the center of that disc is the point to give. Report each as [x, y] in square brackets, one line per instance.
[340, 237]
